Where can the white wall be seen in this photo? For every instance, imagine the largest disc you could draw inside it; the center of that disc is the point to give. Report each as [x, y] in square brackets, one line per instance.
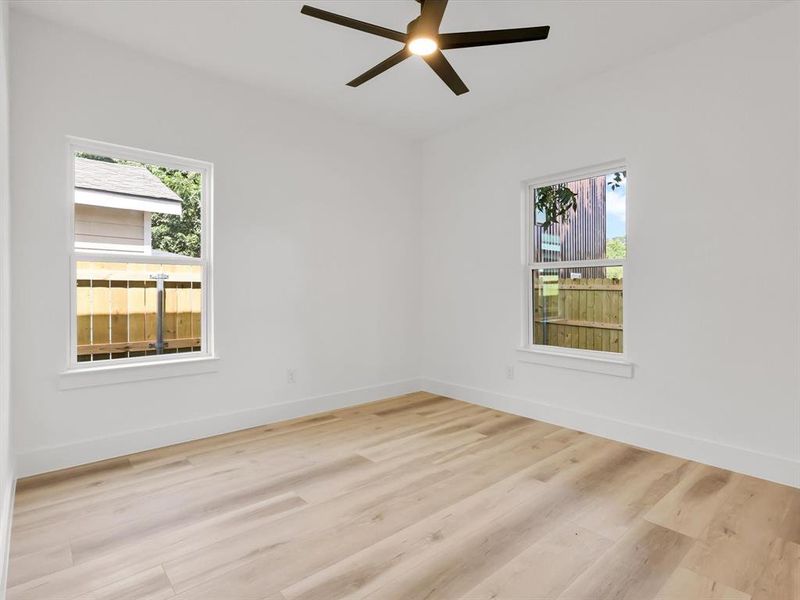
[317, 265]
[6, 461]
[710, 134]
[320, 239]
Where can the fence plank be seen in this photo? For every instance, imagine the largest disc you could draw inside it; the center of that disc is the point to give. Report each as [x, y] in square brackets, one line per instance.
[101, 299]
[613, 307]
[197, 302]
[584, 324]
[119, 347]
[84, 312]
[170, 311]
[119, 311]
[136, 311]
[183, 310]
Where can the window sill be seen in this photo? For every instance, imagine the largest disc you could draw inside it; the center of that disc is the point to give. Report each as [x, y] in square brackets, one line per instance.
[603, 363]
[80, 377]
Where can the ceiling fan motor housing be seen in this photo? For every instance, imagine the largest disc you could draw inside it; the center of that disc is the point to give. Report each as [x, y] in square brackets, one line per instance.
[417, 29]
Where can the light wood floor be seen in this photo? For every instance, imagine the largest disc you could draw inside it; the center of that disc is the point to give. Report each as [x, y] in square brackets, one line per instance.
[416, 497]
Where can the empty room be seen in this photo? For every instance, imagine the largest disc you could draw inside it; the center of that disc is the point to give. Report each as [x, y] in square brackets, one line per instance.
[400, 300]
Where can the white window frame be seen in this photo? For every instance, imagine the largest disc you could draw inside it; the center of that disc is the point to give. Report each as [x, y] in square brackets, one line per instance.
[591, 360]
[206, 170]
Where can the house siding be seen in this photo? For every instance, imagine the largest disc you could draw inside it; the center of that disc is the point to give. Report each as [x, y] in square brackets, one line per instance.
[583, 235]
[99, 227]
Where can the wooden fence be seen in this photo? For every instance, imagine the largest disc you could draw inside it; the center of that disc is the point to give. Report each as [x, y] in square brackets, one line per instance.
[117, 309]
[578, 313]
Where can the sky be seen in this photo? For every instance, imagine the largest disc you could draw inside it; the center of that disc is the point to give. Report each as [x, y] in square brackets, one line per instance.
[615, 209]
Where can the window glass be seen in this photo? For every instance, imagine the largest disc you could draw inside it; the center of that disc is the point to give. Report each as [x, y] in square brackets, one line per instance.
[125, 310]
[592, 224]
[578, 308]
[134, 208]
[577, 250]
[141, 276]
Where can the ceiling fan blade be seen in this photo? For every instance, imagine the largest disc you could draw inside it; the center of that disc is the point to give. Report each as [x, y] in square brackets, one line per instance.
[430, 17]
[445, 70]
[354, 23]
[471, 39]
[393, 60]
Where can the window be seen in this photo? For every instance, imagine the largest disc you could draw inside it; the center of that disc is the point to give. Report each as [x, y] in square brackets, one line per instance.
[576, 250]
[140, 250]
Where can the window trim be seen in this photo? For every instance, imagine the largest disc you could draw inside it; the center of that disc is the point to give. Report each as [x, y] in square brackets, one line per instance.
[206, 261]
[576, 358]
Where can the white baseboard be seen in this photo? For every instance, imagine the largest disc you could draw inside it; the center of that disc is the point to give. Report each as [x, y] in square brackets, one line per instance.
[742, 460]
[6, 515]
[42, 460]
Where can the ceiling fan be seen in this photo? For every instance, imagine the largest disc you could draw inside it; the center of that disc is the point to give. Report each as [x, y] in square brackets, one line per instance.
[422, 38]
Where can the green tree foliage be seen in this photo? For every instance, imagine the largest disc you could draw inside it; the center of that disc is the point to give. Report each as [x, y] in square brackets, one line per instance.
[615, 247]
[617, 180]
[98, 157]
[555, 202]
[179, 234]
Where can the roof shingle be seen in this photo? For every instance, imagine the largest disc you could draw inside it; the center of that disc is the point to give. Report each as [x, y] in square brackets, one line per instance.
[132, 180]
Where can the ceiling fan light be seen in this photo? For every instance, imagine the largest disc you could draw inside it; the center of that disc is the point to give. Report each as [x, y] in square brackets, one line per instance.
[422, 46]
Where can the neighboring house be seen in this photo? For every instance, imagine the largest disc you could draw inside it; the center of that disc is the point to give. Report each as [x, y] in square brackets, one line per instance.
[113, 205]
[583, 235]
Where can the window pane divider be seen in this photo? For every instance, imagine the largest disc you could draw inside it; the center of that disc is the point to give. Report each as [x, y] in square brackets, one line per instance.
[564, 264]
[136, 258]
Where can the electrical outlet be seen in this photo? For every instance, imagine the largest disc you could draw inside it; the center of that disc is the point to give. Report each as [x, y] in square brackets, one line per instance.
[290, 376]
[510, 372]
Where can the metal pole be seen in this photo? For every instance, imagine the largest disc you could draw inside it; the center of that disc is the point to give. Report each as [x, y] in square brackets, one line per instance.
[160, 278]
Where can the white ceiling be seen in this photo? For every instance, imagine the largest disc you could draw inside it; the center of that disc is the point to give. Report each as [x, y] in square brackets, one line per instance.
[271, 45]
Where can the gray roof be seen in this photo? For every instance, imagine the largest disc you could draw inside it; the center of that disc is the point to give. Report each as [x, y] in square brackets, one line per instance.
[132, 180]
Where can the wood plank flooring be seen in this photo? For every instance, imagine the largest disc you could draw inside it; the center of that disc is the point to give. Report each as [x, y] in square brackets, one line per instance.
[417, 497]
